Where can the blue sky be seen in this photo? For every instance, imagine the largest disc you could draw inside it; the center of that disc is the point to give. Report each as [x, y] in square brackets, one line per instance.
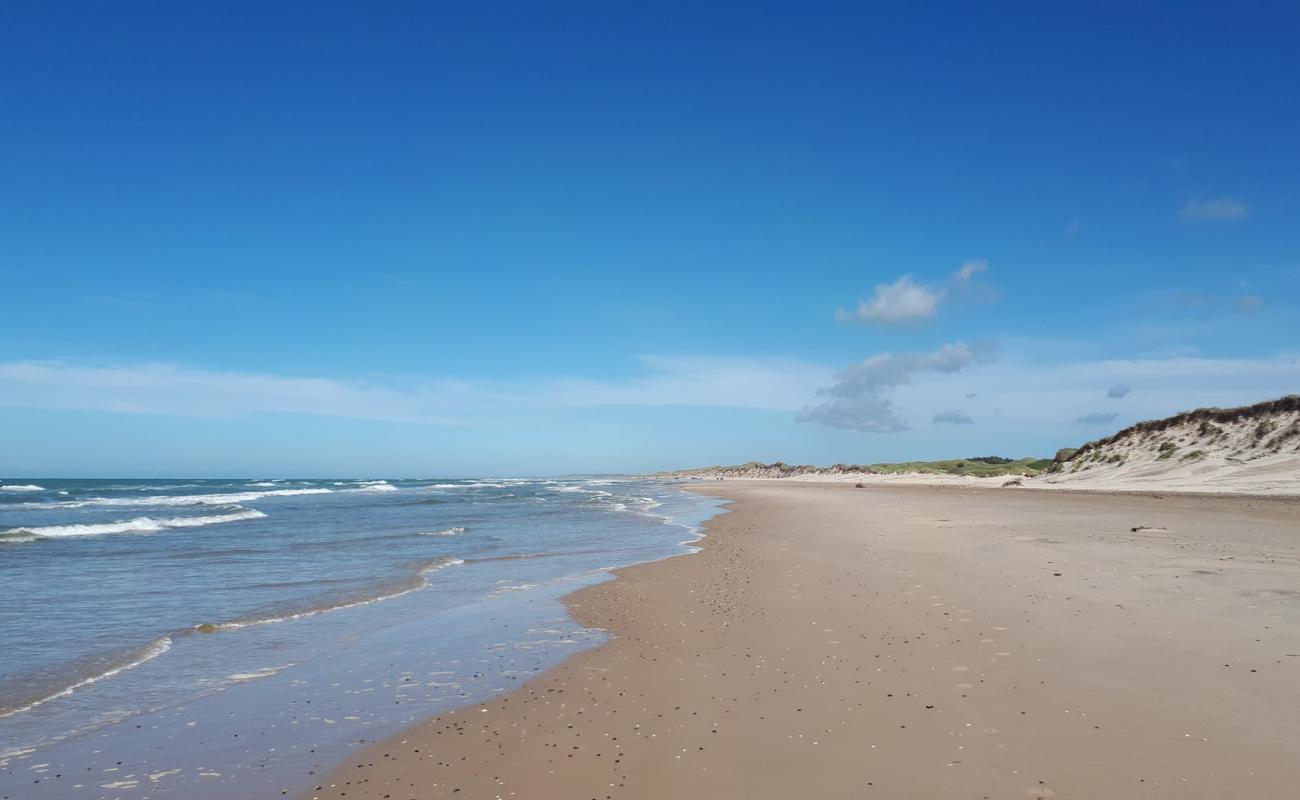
[325, 238]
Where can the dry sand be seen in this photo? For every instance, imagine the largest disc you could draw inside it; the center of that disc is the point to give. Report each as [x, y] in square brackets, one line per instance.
[908, 642]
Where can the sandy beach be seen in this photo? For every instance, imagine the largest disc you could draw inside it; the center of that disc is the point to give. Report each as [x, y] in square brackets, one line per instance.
[908, 641]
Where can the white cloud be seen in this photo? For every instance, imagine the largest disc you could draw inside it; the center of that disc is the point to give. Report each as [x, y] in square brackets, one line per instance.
[1118, 390]
[859, 399]
[894, 303]
[1213, 209]
[905, 301]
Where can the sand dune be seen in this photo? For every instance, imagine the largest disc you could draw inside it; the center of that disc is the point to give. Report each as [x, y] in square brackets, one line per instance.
[1253, 450]
[1249, 450]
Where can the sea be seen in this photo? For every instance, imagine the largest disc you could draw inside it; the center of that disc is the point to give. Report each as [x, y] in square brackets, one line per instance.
[237, 638]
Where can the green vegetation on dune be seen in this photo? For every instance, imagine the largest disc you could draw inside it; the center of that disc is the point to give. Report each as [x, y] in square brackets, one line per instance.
[986, 467]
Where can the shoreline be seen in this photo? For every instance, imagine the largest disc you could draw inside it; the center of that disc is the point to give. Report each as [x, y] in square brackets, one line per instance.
[257, 710]
[770, 666]
[582, 609]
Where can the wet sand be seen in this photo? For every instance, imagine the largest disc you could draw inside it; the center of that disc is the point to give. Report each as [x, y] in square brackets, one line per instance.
[906, 641]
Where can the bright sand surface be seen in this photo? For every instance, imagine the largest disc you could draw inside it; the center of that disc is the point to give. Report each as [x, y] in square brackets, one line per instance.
[908, 642]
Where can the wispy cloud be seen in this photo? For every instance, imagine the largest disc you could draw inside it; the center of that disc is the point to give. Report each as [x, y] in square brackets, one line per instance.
[859, 398]
[177, 390]
[1118, 390]
[951, 418]
[1026, 403]
[1213, 209]
[1249, 303]
[770, 384]
[1017, 401]
[904, 301]
[186, 391]
[1097, 418]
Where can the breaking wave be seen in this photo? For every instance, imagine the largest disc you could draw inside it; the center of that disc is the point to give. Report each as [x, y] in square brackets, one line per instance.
[229, 499]
[137, 525]
[376, 486]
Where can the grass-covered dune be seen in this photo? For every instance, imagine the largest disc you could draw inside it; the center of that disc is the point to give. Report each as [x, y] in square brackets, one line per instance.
[980, 467]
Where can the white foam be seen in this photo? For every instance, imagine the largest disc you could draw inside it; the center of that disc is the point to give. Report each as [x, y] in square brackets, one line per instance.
[580, 490]
[137, 525]
[20, 487]
[447, 532]
[377, 486]
[232, 498]
[503, 483]
[517, 587]
[264, 672]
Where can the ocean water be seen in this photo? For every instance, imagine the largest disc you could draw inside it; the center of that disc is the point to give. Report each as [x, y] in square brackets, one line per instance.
[225, 638]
